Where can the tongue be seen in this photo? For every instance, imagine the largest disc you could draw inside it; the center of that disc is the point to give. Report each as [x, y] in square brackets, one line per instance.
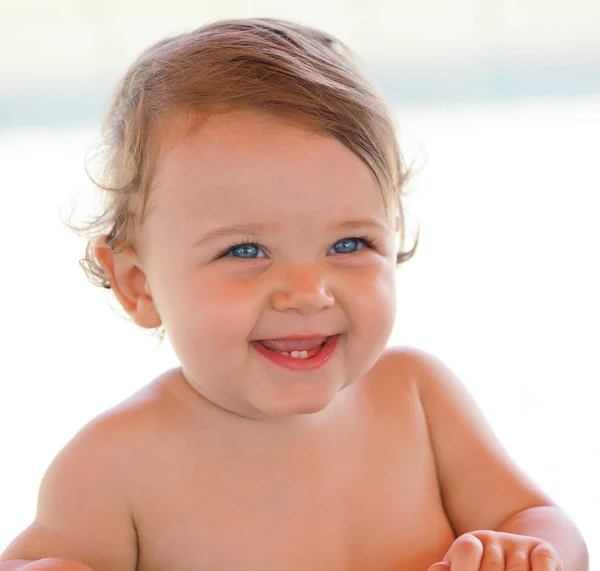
[289, 345]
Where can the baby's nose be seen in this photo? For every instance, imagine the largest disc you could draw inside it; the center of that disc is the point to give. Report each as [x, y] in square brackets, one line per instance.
[303, 290]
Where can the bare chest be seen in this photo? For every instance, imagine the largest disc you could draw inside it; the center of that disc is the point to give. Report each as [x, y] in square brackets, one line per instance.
[363, 497]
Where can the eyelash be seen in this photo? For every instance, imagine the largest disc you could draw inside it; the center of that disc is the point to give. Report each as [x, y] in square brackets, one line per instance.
[368, 242]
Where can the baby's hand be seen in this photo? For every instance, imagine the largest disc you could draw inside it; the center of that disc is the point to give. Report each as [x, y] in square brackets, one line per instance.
[55, 564]
[498, 551]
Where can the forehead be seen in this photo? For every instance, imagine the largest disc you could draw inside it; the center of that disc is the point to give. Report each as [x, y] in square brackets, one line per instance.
[253, 165]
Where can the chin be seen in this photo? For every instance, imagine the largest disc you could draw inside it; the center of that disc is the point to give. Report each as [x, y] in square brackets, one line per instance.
[296, 404]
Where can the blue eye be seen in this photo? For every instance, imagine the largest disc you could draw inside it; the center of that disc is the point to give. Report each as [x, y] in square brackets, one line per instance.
[349, 245]
[250, 250]
[245, 250]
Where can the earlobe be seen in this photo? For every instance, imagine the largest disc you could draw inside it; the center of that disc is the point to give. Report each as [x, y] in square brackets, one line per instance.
[128, 281]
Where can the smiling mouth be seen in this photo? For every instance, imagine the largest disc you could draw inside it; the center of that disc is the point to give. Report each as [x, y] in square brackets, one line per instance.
[304, 359]
[298, 353]
[288, 345]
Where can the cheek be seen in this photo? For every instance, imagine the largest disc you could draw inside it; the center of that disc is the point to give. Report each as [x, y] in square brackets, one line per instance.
[227, 296]
[386, 290]
[210, 305]
[375, 309]
[207, 317]
[376, 292]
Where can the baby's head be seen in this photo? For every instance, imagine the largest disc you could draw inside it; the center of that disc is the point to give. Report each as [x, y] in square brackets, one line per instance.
[266, 126]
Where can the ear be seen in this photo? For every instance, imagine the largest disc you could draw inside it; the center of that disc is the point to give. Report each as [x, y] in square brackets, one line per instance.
[128, 281]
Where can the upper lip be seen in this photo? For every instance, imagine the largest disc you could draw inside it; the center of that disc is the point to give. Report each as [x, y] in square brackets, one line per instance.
[299, 336]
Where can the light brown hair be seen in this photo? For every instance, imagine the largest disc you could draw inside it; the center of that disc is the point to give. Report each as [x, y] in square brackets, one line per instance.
[268, 65]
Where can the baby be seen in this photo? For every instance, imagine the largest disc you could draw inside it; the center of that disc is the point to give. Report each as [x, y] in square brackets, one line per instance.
[254, 215]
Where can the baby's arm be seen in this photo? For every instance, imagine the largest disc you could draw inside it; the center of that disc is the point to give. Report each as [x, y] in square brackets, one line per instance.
[82, 512]
[481, 486]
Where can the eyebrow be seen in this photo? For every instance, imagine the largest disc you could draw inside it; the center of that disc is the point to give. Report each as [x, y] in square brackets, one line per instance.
[258, 229]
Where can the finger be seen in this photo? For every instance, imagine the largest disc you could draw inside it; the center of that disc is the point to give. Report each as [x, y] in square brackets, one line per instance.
[441, 566]
[543, 557]
[517, 560]
[56, 564]
[493, 557]
[465, 553]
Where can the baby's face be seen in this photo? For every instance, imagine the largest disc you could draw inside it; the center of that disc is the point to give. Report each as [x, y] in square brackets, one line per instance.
[300, 267]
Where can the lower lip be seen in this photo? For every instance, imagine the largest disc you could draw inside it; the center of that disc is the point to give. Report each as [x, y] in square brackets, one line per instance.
[313, 362]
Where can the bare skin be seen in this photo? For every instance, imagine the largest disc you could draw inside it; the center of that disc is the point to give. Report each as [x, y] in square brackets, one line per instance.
[328, 497]
[352, 488]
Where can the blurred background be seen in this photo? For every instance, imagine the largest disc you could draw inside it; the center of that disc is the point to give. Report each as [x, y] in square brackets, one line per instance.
[498, 104]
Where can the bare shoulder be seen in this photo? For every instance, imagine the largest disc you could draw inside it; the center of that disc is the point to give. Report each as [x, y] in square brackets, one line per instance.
[393, 385]
[408, 361]
[400, 369]
[480, 483]
[84, 509]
